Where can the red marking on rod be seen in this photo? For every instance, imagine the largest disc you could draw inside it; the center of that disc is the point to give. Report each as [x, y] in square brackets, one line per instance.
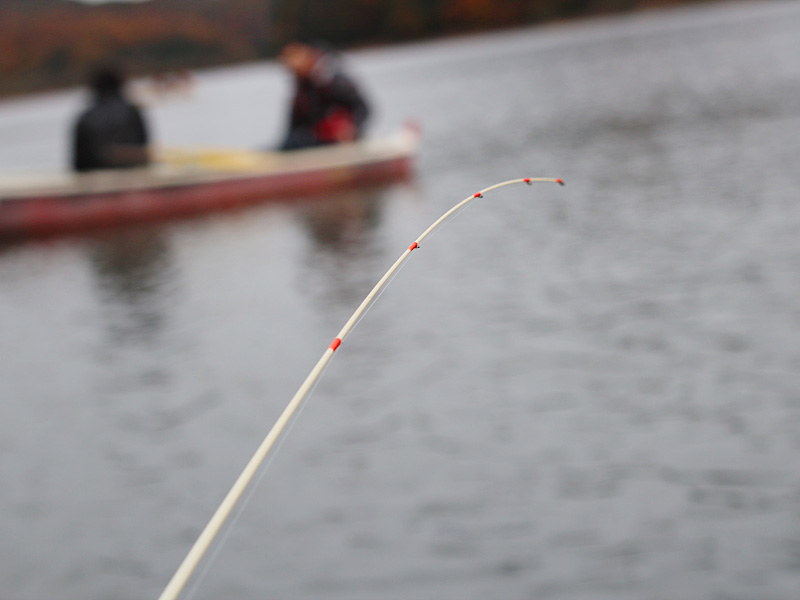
[478, 195]
[527, 180]
[335, 344]
[560, 181]
[413, 246]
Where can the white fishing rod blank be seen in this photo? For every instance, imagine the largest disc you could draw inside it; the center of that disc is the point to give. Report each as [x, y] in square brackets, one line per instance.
[200, 547]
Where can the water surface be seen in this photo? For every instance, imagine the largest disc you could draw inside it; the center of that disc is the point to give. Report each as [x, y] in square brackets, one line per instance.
[588, 392]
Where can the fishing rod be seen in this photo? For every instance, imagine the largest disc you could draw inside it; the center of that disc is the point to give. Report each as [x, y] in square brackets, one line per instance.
[198, 550]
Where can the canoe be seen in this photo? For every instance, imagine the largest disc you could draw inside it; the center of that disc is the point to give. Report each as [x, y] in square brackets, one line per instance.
[188, 182]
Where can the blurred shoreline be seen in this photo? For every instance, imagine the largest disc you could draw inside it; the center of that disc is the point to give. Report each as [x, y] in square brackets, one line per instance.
[49, 45]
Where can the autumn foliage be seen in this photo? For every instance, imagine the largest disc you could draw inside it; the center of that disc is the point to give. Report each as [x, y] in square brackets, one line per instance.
[52, 43]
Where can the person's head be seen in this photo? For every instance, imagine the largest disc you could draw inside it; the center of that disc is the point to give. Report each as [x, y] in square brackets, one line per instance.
[106, 80]
[300, 58]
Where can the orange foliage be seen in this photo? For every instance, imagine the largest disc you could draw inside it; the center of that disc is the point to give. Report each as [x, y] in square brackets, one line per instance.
[48, 43]
[55, 44]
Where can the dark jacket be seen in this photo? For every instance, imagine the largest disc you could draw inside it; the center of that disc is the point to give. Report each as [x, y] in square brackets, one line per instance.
[320, 104]
[111, 134]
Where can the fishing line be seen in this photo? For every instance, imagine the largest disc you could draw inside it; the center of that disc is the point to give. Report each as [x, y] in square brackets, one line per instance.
[230, 526]
[442, 224]
[378, 295]
[200, 547]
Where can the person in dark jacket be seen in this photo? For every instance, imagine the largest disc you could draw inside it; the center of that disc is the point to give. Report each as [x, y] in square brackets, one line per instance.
[327, 107]
[111, 133]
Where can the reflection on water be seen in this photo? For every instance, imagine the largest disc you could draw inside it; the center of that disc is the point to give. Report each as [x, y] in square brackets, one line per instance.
[135, 279]
[600, 408]
[134, 273]
[343, 230]
[344, 222]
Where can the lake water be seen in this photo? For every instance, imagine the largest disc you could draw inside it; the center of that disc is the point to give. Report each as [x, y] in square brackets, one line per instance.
[587, 392]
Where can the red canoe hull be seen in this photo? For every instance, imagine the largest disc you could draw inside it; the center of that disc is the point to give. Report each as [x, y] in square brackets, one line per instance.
[50, 213]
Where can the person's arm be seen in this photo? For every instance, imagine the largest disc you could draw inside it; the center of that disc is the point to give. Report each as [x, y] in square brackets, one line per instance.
[83, 156]
[345, 111]
[135, 152]
[347, 94]
[140, 127]
[142, 137]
